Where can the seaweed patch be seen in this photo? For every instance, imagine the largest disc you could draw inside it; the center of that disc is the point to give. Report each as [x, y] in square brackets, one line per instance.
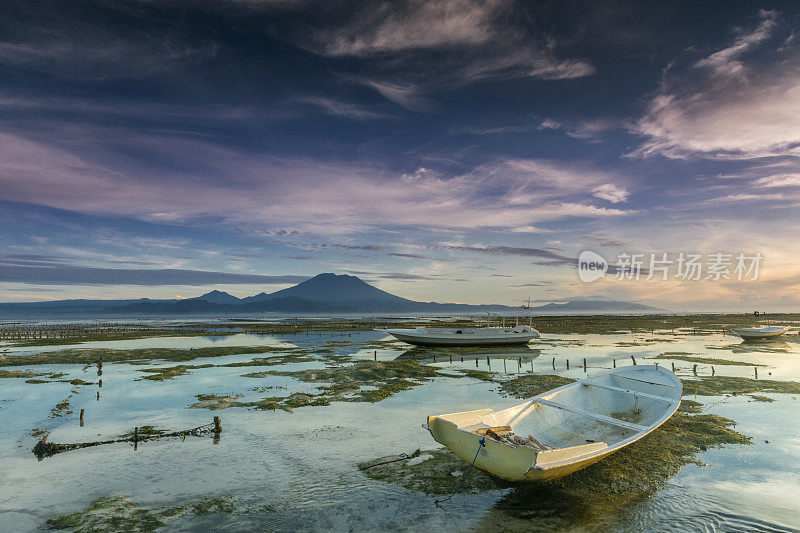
[590, 497]
[120, 513]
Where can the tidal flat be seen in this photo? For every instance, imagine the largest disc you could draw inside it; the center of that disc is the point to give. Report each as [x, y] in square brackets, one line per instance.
[306, 405]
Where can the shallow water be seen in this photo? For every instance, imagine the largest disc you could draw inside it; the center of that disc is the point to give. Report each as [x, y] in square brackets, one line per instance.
[297, 471]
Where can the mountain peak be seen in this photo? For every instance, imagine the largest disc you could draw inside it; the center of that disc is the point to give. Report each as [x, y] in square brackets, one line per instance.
[218, 297]
[337, 289]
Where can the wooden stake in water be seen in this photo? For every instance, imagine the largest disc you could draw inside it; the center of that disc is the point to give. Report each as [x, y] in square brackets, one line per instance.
[614, 363]
[755, 368]
[567, 364]
[694, 369]
[554, 363]
[673, 367]
[584, 364]
[217, 425]
[634, 360]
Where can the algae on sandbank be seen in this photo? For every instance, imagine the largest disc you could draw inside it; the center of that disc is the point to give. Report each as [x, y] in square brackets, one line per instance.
[719, 385]
[589, 497]
[360, 381]
[168, 372]
[88, 356]
[703, 360]
[530, 385]
[214, 402]
[4, 374]
[120, 513]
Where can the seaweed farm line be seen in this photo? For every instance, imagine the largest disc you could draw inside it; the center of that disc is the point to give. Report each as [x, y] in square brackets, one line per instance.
[315, 424]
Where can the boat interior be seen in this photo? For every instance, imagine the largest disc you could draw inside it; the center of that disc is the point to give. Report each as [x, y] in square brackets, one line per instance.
[604, 410]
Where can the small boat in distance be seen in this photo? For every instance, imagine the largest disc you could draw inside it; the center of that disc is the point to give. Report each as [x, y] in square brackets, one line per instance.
[764, 332]
[424, 336]
[563, 430]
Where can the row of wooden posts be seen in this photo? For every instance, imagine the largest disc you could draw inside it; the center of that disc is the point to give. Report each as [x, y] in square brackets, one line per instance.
[54, 332]
[585, 366]
[216, 421]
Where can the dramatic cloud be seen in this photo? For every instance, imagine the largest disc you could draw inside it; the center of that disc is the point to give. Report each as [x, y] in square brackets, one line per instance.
[728, 106]
[399, 26]
[420, 142]
[68, 42]
[423, 46]
[516, 193]
[779, 180]
[341, 109]
[610, 192]
[726, 61]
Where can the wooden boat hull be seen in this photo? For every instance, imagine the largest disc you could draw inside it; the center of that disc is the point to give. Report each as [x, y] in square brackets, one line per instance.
[563, 422]
[465, 339]
[759, 333]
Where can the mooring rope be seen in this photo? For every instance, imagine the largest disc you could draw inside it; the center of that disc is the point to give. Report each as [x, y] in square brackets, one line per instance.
[401, 457]
[481, 444]
[47, 449]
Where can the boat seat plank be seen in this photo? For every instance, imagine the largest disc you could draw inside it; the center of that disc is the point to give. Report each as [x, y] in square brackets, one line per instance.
[588, 383]
[603, 418]
[645, 381]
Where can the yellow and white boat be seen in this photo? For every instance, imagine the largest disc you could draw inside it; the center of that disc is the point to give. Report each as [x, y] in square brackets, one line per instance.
[565, 429]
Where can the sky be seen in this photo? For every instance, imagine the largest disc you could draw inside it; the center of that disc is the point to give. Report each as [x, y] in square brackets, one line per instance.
[443, 150]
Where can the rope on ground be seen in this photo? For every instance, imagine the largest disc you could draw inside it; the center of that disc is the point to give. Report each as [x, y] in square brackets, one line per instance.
[401, 457]
[48, 449]
[481, 444]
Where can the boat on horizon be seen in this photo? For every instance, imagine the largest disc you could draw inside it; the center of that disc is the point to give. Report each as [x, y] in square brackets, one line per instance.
[563, 430]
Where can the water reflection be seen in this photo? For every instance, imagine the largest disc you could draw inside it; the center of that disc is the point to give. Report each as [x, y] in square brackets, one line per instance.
[541, 507]
[440, 355]
[761, 345]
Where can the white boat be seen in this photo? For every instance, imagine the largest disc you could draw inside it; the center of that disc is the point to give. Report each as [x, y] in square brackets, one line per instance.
[423, 336]
[565, 429]
[760, 333]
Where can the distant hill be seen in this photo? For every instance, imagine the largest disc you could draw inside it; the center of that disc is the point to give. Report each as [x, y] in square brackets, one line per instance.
[595, 306]
[324, 293]
[218, 297]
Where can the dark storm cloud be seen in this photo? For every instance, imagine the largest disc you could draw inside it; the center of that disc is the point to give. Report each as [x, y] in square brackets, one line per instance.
[410, 256]
[612, 243]
[79, 275]
[544, 253]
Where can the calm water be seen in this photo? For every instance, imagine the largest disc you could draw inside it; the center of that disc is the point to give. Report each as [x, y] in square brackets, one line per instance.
[297, 471]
